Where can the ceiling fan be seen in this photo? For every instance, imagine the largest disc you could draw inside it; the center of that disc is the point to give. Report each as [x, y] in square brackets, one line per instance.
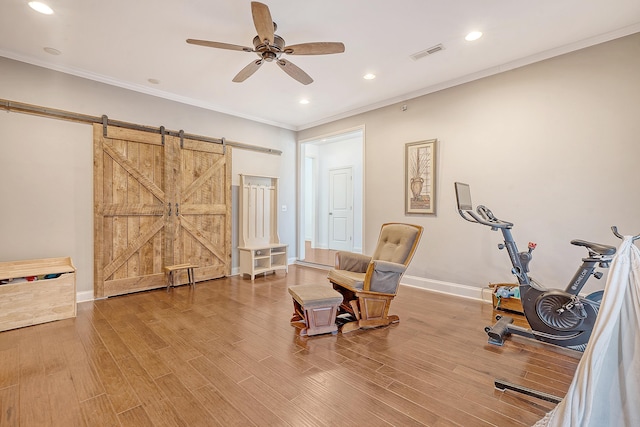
[270, 46]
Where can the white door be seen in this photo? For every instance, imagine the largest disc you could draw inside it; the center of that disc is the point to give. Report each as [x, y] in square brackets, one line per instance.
[341, 209]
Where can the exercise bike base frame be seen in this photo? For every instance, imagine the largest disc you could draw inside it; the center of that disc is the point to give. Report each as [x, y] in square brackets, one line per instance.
[504, 385]
[504, 327]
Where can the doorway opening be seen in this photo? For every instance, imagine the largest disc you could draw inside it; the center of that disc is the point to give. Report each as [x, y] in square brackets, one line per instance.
[332, 196]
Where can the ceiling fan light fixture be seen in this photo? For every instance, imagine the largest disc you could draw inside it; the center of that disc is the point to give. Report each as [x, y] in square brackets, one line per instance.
[473, 35]
[270, 46]
[40, 7]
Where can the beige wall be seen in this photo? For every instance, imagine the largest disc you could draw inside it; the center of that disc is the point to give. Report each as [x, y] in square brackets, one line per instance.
[553, 147]
[46, 165]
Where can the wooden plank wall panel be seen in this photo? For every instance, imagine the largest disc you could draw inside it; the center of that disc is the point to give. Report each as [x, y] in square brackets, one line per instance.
[100, 173]
[119, 238]
[133, 198]
[173, 188]
[189, 173]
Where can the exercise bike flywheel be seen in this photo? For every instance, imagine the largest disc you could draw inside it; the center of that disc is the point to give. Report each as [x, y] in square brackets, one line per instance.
[551, 309]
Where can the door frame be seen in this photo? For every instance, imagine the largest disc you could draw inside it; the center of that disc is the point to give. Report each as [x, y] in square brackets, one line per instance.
[310, 192]
[303, 152]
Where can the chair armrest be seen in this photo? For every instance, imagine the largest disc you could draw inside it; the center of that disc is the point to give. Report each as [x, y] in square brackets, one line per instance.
[383, 276]
[352, 261]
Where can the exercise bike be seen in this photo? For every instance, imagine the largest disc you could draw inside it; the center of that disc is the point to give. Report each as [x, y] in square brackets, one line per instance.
[559, 317]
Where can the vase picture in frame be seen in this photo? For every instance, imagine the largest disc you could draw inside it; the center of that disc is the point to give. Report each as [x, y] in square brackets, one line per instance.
[420, 177]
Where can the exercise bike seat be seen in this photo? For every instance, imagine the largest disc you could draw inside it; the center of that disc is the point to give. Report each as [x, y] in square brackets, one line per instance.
[595, 247]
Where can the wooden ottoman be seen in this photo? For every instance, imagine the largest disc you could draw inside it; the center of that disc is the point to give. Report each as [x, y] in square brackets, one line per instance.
[316, 306]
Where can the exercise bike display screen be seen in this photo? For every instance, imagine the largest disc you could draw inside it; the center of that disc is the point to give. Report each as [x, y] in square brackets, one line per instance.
[463, 195]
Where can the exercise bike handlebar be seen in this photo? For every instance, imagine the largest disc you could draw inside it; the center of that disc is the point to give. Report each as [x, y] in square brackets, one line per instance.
[484, 216]
[620, 236]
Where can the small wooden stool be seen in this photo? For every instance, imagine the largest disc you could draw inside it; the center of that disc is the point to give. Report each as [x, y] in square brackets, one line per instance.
[170, 270]
[316, 306]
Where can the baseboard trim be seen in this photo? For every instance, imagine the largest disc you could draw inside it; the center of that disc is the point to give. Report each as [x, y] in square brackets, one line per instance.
[84, 296]
[313, 265]
[448, 288]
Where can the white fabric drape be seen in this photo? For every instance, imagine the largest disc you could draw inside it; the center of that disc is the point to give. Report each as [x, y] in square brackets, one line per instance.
[605, 390]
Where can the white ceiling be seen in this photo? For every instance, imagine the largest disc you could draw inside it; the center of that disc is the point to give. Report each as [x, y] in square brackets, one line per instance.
[128, 42]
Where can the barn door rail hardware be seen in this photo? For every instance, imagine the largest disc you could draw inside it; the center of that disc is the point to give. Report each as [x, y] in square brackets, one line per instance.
[105, 121]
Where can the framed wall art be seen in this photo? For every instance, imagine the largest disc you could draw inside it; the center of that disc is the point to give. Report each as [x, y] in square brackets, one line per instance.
[420, 177]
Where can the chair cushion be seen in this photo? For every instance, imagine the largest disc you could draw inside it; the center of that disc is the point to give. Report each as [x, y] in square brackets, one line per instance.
[352, 261]
[347, 278]
[395, 243]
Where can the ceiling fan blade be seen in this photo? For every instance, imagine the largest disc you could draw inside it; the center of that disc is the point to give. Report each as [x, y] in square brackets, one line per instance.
[219, 45]
[295, 72]
[315, 48]
[248, 71]
[262, 21]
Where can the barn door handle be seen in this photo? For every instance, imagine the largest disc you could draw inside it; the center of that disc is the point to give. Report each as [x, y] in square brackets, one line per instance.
[177, 210]
[169, 214]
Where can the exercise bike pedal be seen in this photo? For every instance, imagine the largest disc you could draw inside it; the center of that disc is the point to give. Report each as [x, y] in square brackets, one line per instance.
[498, 331]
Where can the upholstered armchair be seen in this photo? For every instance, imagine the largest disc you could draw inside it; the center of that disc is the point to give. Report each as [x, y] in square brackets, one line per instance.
[368, 284]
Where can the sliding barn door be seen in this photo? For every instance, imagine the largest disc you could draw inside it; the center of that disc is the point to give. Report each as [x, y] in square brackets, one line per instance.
[157, 204]
[201, 192]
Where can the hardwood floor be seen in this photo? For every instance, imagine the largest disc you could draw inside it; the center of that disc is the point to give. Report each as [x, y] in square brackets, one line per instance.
[225, 354]
[319, 256]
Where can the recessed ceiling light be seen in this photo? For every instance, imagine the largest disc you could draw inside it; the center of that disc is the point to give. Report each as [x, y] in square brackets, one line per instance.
[304, 101]
[154, 81]
[369, 76]
[52, 51]
[473, 35]
[40, 7]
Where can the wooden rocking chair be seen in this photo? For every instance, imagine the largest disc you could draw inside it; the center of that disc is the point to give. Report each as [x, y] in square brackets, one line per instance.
[369, 283]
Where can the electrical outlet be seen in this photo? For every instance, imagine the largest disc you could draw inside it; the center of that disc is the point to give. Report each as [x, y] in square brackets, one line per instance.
[284, 208]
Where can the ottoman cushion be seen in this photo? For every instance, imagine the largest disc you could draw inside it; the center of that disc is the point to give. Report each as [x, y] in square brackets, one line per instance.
[315, 295]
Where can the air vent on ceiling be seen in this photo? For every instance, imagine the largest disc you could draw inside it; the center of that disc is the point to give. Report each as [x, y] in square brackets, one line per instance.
[427, 52]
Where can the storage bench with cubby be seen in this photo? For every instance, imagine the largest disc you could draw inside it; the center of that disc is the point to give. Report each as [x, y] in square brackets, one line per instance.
[259, 244]
[263, 259]
[36, 291]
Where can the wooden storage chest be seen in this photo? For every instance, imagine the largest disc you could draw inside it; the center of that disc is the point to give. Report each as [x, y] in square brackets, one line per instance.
[507, 304]
[29, 303]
